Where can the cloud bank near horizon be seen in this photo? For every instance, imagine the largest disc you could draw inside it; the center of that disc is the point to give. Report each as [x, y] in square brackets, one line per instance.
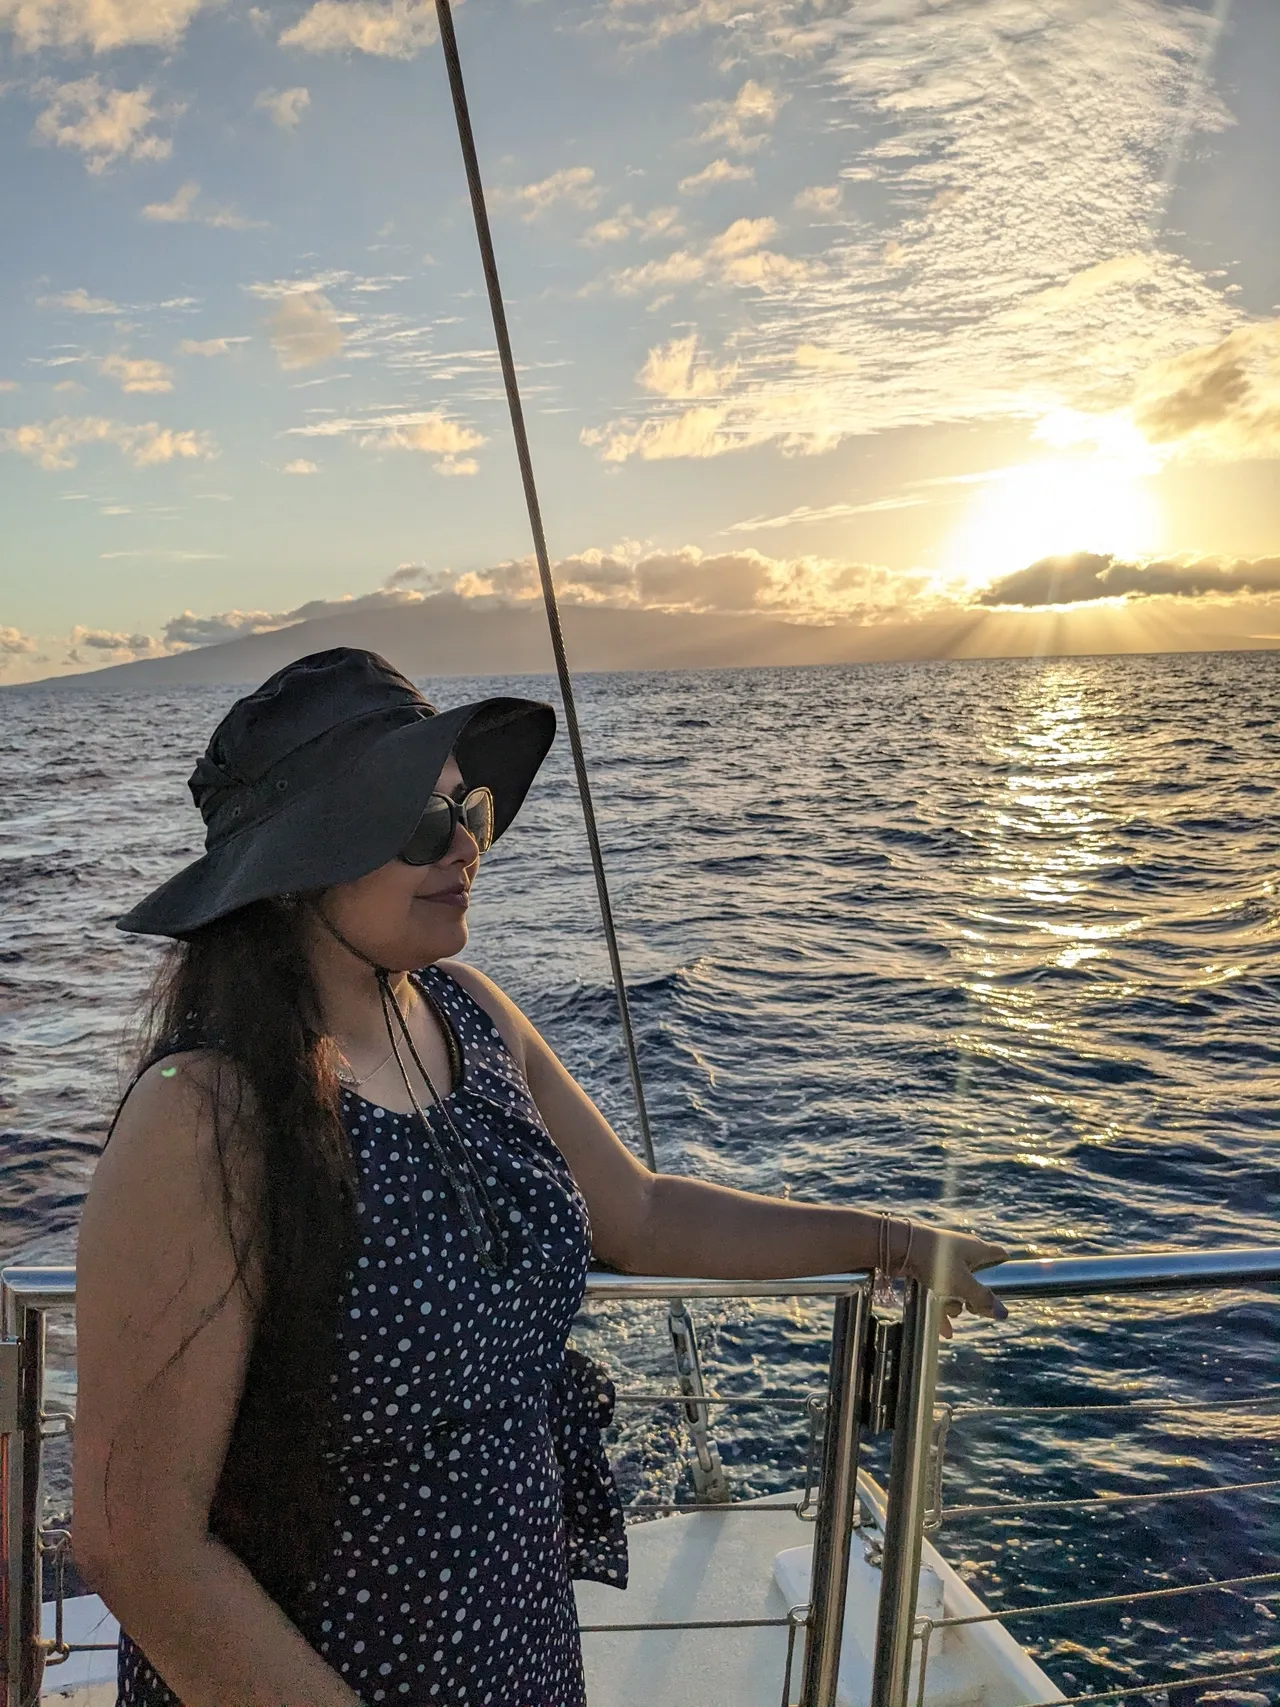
[806, 590]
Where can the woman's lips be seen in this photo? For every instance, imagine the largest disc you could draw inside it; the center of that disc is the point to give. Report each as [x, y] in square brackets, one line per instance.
[448, 898]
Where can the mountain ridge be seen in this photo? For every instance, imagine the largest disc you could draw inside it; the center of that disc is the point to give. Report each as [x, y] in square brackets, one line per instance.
[447, 635]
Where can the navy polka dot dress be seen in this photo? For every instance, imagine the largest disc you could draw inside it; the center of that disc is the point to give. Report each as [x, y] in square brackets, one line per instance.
[475, 1484]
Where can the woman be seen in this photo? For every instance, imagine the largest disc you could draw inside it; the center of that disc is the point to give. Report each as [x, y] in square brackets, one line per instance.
[331, 1447]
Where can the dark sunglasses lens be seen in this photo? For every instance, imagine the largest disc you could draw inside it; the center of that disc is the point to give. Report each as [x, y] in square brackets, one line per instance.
[477, 815]
[431, 835]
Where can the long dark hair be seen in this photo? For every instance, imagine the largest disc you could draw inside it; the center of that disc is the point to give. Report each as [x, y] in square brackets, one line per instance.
[242, 987]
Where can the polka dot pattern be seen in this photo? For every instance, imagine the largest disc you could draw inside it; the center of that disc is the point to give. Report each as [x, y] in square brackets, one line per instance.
[475, 1483]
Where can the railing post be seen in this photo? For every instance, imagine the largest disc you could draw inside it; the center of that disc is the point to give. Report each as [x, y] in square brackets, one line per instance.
[837, 1501]
[908, 1492]
[21, 1392]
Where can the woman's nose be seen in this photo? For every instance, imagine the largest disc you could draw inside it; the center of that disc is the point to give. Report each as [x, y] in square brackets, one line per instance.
[464, 849]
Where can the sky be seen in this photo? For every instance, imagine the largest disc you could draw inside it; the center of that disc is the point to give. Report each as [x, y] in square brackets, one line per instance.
[857, 310]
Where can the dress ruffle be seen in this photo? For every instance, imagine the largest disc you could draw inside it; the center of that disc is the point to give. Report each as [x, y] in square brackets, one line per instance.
[579, 1409]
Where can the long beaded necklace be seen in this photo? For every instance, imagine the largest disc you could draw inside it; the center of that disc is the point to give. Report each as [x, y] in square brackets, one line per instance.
[456, 1160]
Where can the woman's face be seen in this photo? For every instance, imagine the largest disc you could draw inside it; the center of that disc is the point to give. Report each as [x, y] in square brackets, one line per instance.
[406, 916]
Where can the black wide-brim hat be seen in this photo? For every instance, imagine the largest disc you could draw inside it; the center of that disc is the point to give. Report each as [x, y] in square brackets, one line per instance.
[319, 776]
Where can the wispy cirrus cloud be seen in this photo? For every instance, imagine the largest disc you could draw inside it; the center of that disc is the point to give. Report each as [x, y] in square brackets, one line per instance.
[1014, 269]
[56, 445]
[106, 125]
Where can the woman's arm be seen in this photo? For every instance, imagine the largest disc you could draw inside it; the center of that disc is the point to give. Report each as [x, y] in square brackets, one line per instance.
[153, 1257]
[646, 1223]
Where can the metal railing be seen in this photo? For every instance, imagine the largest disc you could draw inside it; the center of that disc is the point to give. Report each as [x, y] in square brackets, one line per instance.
[879, 1376]
[1092, 1277]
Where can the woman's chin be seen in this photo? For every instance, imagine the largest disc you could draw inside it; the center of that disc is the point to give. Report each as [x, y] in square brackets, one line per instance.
[440, 943]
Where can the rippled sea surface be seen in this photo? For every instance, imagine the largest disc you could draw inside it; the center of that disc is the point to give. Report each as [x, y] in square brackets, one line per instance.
[995, 944]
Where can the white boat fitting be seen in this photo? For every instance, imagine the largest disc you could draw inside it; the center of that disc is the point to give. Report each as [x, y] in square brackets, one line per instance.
[827, 1598]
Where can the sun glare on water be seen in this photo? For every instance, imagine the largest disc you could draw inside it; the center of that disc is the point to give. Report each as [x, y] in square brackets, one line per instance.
[1047, 509]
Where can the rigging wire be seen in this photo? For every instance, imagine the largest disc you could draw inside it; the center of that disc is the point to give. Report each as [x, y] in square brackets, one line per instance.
[497, 309]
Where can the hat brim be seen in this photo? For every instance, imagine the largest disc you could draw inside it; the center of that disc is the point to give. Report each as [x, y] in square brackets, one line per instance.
[358, 820]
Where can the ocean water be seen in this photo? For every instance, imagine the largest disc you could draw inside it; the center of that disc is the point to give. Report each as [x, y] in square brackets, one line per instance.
[993, 944]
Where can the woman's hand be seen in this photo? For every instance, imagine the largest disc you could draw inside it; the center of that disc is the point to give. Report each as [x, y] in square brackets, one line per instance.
[945, 1262]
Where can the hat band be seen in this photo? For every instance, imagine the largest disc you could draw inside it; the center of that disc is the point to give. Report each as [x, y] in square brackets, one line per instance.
[234, 810]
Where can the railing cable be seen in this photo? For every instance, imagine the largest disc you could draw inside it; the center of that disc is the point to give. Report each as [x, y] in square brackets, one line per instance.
[708, 1474]
[498, 311]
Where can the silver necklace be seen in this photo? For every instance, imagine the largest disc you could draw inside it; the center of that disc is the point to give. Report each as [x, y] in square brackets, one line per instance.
[346, 1072]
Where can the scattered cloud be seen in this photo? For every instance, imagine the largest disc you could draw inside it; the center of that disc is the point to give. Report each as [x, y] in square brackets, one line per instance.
[626, 222]
[286, 106]
[1222, 399]
[398, 30]
[1089, 282]
[1086, 575]
[137, 373]
[79, 301]
[54, 445]
[574, 186]
[305, 330]
[699, 433]
[718, 172]
[105, 125]
[119, 645]
[7, 385]
[183, 208]
[675, 370]
[14, 644]
[818, 198]
[742, 581]
[100, 25]
[820, 360]
[736, 257]
[300, 465]
[209, 346]
[743, 123]
[427, 431]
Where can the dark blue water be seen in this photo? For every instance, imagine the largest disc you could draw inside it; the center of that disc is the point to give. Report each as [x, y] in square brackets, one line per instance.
[995, 944]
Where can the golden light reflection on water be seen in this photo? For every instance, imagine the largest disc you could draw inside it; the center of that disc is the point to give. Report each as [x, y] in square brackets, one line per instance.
[1042, 837]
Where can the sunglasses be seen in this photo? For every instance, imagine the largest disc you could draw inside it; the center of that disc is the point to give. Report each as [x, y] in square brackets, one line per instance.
[432, 836]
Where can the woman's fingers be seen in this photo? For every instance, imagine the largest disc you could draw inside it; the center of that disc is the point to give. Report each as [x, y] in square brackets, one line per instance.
[947, 1264]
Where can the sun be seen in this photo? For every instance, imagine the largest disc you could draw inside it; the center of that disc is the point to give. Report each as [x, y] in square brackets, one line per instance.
[1050, 508]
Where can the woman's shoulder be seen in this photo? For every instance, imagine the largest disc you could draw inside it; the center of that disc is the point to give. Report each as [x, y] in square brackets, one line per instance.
[182, 1104]
[507, 1019]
